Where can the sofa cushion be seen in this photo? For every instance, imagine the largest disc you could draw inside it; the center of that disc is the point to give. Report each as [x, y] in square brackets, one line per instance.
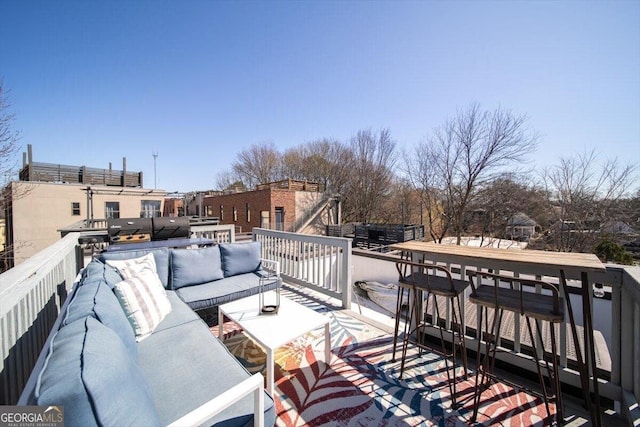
[89, 372]
[161, 256]
[239, 258]
[222, 291]
[96, 299]
[180, 314]
[200, 371]
[195, 266]
[98, 271]
[144, 301]
[131, 267]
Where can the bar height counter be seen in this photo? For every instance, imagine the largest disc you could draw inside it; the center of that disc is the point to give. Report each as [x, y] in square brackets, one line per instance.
[563, 265]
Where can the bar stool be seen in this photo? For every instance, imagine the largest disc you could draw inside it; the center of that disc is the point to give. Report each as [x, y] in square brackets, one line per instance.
[500, 293]
[421, 277]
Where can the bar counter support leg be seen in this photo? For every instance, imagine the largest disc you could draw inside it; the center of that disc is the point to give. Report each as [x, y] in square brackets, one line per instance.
[589, 344]
[582, 363]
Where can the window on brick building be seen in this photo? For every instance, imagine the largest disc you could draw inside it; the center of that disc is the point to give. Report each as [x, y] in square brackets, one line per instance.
[248, 213]
[221, 212]
[235, 214]
[279, 218]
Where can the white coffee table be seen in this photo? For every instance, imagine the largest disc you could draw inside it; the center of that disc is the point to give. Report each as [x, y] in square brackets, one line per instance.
[272, 331]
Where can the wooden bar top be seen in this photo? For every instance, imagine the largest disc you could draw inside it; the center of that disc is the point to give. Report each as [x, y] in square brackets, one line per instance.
[560, 260]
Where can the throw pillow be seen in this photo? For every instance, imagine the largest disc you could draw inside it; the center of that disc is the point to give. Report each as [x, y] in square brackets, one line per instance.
[144, 301]
[195, 266]
[129, 268]
[240, 258]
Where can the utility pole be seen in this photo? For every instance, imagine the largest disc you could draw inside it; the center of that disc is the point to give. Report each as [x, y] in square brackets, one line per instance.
[155, 178]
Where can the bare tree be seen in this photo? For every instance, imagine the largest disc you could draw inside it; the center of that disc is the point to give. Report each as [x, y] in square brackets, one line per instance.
[8, 149]
[227, 180]
[428, 183]
[325, 161]
[258, 164]
[293, 163]
[505, 197]
[370, 176]
[462, 156]
[403, 204]
[8, 140]
[584, 194]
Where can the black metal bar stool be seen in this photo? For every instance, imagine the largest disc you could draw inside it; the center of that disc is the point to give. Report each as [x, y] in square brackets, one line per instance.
[420, 278]
[535, 300]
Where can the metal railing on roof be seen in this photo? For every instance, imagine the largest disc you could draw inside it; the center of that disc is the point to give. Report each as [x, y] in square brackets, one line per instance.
[49, 172]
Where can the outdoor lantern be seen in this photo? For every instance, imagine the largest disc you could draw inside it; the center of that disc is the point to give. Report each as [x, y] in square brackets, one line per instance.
[269, 299]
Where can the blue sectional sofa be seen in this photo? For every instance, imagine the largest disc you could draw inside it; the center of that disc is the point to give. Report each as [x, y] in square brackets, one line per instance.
[105, 369]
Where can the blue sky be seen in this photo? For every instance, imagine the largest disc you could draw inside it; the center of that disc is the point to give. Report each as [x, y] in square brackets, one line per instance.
[197, 81]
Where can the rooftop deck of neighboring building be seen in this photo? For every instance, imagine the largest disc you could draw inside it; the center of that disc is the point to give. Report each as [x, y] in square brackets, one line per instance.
[48, 172]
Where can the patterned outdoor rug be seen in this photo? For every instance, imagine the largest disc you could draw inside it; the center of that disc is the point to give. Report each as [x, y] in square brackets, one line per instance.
[361, 385]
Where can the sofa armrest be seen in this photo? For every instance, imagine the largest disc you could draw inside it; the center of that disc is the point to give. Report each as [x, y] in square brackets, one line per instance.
[254, 384]
[271, 265]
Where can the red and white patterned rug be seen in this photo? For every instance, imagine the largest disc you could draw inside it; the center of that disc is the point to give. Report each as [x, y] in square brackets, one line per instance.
[361, 384]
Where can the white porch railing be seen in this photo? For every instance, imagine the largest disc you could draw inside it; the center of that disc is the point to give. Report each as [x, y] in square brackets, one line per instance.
[31, 295]
[224, 233]
[318, 262]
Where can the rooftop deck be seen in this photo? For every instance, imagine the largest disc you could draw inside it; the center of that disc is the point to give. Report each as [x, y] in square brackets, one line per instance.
[361, 385]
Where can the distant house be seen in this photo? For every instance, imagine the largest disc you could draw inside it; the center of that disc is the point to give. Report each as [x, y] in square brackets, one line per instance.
[618, 228]
[520, 226]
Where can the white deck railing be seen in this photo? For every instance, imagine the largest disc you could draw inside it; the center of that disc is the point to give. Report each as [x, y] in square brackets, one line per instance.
[31, 295]
[220, 233]
[318, 262]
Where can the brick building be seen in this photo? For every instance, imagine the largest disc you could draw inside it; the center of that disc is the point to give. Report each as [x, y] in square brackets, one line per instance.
[173, 206]
[284, 205]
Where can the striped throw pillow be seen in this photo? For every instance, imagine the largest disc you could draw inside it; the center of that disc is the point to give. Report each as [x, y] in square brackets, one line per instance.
[144, 301]
[129, 268]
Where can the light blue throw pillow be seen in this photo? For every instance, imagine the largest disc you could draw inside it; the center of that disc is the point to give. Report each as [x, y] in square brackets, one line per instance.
[240, 258]
[161, 256]
[195, 266]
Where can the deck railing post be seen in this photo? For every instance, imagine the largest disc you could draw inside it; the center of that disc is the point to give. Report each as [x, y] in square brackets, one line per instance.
[347, 272]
